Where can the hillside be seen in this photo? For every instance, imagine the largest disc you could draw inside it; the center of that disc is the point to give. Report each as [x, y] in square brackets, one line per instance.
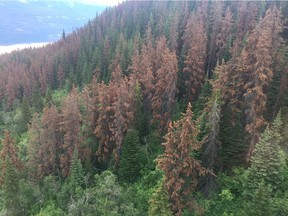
[151, 108]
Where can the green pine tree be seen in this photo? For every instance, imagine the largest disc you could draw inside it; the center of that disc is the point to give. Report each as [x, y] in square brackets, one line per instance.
[267, 163]
[159, 201]
[26, 116]
[231, 135]
[202, 100]
[76, 176]
[130, 160]
[10, 189]
[37, 101]
[261, 203]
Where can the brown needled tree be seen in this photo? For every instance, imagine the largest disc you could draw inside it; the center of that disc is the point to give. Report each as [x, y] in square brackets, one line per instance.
[259, 63]
[70, 127]
[8, 152]
[194, 68]
[180, 167]
[164, 98]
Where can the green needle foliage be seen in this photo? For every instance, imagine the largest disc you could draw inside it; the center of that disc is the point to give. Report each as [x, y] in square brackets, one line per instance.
[130, 161]
[266, 163]
[159, 201]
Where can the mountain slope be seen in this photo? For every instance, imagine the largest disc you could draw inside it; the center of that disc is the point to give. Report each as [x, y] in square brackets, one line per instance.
[201, 85]
[41, 21]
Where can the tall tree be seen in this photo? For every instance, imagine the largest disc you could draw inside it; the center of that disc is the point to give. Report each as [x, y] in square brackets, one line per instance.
[266, 163]
[194, 68]
[246, 20]
[51, 138]
[26, 115]
[130, 159]
[76, 177]
[10, 165]
[159, 203]
[265, 43]
[164, 98]
[180, 167]
[104, 119]
[246, 78]
[44, 143]
[211, 143]
[70, 127]
[9, 150]
[10, 189]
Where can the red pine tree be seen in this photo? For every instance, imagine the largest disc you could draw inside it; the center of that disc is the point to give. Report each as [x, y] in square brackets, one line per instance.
[180, 167]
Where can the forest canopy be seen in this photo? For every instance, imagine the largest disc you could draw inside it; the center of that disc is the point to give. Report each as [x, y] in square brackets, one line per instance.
[152, 108]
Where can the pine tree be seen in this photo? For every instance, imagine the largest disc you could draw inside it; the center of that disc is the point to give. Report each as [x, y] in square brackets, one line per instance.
[34, 145]
[216, 20]
[202, 100]
[231, 135]
[180, 167]
[130, 159]
[26, 116]
[266, 163]
[245, 23]
[263, 41]
[245, 79]
[261, 203]
[10, 188]
[76, 175]
[194, 69]
[164, 98]
[70, 126]
[211, 143]
[159, 203]
[124, 110]
[44, 143]
[223, 42]
[9, 150]
[10, 164]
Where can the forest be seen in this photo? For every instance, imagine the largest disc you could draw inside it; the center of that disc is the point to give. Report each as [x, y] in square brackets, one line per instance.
[154, 108]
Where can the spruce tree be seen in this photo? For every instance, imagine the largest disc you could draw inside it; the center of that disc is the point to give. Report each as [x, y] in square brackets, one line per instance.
[181, 168]
[159, 203]
[130, 160]
[26, 116]
[231, 136]
[211, 142]
[10, 189]
[76, 177]
[266, 163]
[261, 203]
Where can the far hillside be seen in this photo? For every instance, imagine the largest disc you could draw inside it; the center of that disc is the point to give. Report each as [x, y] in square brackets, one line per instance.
[42, 21]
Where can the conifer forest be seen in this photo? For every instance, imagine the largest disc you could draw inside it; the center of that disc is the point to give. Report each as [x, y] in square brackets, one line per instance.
[154, 108]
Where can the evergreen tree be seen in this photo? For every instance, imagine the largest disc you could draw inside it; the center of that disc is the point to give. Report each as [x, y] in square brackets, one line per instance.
[70, 126]
[10, 164]
[266, 163]
[10, 190]
[9, 150]
[37, 101]
[130, 159]
[164, 98]
[26, 116]
[159, 203]
[179, 164]
[231, 137]
[194, 69]
[76, 176]
[202, 100]
[261, 203]
[211, 143]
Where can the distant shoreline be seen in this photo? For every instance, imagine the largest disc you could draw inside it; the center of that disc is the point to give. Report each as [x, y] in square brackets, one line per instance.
[14, 47]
